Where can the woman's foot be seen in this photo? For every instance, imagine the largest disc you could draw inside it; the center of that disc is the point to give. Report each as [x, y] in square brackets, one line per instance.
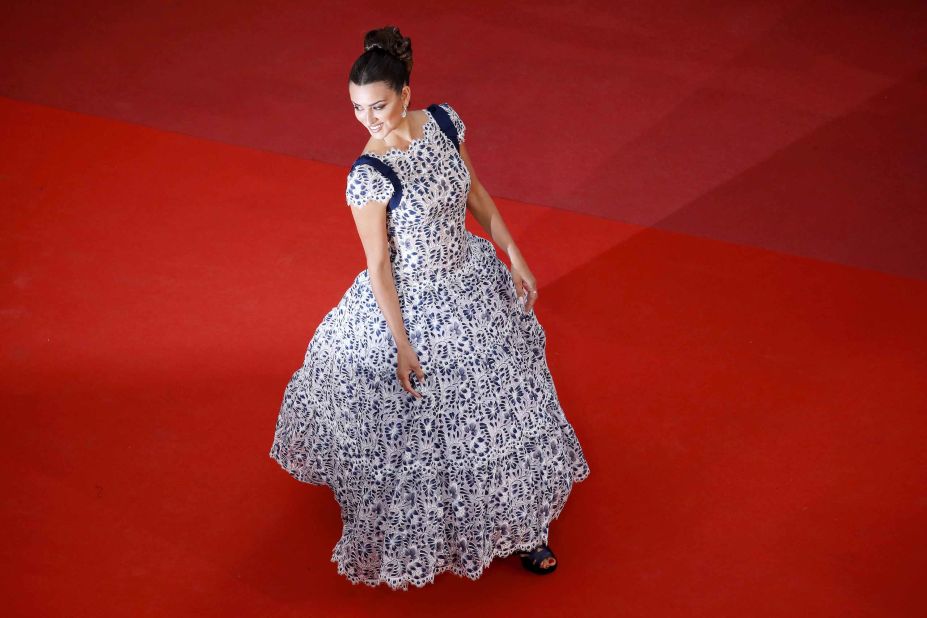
[540, 560]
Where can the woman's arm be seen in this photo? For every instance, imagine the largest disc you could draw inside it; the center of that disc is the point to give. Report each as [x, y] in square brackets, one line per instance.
[370, 220]
[480, 203]
[371, 227]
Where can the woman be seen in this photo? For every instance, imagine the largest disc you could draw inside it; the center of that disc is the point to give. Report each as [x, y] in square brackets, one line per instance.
[424, 400]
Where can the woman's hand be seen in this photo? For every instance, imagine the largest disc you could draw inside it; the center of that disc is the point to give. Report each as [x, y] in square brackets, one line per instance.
[406, 363]
[525, 284]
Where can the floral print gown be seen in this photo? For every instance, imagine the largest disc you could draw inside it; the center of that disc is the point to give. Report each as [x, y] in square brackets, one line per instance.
[479, 466]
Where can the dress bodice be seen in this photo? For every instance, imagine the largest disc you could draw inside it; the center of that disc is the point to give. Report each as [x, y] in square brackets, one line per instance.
[426, 232]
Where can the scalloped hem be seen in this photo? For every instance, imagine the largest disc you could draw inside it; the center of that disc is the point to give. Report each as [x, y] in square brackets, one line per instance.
[403, 584]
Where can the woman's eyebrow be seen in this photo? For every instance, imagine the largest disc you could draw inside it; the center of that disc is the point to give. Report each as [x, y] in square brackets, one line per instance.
[374, 103]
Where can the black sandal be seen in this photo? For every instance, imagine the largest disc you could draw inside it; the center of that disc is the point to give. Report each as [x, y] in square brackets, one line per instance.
[532, 560]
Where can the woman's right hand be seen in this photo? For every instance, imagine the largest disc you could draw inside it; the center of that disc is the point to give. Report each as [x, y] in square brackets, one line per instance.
[407, 363]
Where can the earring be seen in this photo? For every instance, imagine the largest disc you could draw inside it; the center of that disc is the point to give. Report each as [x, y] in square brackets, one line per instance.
[404, 108]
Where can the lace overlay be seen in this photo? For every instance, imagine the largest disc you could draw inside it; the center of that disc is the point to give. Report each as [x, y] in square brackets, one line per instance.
[480, 466]
[365, 184]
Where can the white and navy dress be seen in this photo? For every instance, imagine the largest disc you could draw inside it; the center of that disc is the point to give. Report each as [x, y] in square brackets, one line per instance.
[479, 466]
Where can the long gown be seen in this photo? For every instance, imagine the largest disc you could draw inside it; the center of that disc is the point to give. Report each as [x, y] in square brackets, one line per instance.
[480, 466]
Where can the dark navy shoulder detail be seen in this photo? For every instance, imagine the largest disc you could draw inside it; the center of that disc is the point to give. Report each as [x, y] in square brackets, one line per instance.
[445, 123]
[387, 171]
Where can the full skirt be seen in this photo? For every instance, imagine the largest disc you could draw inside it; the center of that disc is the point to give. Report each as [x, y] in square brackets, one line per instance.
[476, 469]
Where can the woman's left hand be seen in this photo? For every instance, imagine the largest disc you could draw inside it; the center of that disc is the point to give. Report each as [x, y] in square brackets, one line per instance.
[525, 284]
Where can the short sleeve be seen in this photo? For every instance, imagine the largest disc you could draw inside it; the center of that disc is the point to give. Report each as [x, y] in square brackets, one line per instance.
[458, 123]
[366, 184]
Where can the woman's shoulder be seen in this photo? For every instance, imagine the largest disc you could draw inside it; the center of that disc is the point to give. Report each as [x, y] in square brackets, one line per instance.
[375, 147]
[366, 182]
[455, 119]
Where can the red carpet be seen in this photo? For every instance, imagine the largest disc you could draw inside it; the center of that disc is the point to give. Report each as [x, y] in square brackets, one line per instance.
[753, 416]
[791, 125]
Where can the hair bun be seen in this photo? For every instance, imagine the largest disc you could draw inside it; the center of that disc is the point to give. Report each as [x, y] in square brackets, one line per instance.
[390, 40]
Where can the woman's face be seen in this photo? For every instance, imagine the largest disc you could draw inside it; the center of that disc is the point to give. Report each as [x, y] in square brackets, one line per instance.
[377, 107]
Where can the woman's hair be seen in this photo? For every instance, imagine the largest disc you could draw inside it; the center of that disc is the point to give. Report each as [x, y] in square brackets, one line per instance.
[387, 58]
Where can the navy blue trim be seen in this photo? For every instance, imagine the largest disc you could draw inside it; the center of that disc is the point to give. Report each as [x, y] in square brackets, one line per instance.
[445, 122]
[387, 171]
